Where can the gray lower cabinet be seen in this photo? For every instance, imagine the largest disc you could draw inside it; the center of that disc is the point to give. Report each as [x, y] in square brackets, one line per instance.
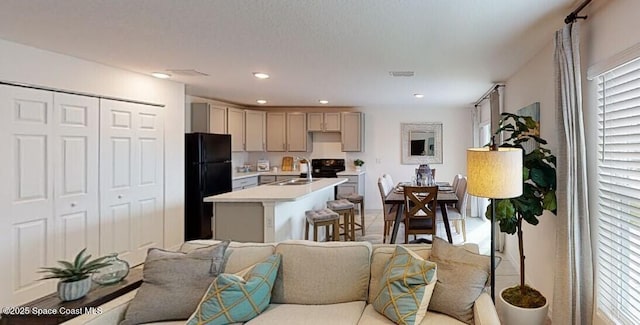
[355, 184]
[266, 179]
[242, 183]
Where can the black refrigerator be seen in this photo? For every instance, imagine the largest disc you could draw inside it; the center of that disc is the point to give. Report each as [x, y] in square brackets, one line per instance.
[207, 172]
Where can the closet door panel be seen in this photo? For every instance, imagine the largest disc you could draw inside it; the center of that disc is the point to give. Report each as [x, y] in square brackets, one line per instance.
[26, 224]
[75, 141]
[131, 175]
[149, 226]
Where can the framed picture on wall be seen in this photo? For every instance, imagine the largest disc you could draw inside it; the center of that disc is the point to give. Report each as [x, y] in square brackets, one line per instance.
[533, 111]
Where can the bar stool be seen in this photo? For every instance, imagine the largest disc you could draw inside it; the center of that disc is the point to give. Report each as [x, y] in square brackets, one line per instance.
[356, 199]
[346, 210]
[319, 218]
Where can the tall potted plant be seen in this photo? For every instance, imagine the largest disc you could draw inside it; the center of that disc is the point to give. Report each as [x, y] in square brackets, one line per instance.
[538, 195]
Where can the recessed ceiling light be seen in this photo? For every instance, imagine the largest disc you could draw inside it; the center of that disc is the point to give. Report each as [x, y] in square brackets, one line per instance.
[418, 95]
[323, 102]
[261, 101]
[261, 75]
[161, 75]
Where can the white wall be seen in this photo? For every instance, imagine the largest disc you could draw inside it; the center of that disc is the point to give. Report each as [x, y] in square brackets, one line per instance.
[610, 29]
[534, 83]
[23, 64]
[382, 152]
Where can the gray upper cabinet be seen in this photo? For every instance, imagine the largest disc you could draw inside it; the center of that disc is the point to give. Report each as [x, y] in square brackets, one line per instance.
[287, 131]
[255, 130]
[352, 131]
[235, 127]
[323, 122]
[208, 118]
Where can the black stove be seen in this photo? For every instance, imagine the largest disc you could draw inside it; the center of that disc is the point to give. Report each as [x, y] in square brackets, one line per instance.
[325, 168]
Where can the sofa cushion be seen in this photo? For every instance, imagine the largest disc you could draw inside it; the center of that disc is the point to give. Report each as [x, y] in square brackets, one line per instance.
[379, 259]
[371, 317]
[406, 287]
[347, 313]
[173, 283]
[231, 298]
[322, 273]
[239, 256]
[462, 276]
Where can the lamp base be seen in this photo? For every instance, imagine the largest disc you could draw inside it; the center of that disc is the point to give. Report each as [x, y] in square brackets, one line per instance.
[493, 250]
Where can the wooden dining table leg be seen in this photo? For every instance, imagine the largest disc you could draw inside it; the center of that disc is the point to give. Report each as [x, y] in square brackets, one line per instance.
[445, 219]
[396, 224]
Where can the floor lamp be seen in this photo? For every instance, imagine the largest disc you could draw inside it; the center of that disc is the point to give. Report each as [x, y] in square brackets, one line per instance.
[494, 173]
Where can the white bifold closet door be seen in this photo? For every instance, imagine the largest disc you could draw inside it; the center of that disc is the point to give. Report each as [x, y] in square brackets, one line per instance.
[131, 179]
[49, 146]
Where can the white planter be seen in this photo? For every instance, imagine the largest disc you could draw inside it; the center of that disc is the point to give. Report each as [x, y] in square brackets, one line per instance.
[74, 290]
[513, 315]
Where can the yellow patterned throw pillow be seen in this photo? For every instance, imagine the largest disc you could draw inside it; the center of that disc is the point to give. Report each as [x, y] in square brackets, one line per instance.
[406, 287]
[232, 298]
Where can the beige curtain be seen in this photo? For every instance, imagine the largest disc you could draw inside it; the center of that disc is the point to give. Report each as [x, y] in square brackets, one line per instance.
[573, 284]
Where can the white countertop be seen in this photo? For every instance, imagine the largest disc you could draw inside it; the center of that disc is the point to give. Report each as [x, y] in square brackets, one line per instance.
[275, 193]
[351, 172]
[236, 175]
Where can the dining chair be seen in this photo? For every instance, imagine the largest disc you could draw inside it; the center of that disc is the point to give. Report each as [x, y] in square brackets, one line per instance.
[454, 183]
[388, 181]
[420, 204]
[388, 210]
[458, 212]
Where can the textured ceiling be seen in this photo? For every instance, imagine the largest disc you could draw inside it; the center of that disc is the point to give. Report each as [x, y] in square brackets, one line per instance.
[339, 50]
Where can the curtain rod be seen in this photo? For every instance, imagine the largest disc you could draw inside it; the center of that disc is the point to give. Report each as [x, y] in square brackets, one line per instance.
[486, 95]
[574, 14]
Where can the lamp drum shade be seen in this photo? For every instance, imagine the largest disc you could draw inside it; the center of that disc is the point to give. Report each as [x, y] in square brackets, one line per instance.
[495, 174]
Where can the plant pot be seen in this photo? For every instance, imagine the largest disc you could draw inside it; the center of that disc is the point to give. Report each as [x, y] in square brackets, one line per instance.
[510, 314]
[358, 168]
[68, 291]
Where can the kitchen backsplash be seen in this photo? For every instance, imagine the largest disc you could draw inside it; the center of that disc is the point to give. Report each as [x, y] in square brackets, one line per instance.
[325, 145]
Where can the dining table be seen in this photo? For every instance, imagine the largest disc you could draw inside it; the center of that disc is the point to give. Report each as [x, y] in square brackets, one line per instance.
[446, 196]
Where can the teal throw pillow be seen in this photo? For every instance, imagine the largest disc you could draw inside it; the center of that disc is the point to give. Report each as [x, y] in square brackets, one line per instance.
[406, 287]
[231, 298]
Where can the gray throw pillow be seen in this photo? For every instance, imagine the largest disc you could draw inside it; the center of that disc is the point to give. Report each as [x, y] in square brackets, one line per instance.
[462, 276]
[173, 283]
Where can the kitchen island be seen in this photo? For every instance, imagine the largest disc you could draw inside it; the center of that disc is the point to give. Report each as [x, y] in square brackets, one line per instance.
[270, 212]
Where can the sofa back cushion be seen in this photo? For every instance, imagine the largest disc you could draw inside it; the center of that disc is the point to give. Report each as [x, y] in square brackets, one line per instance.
[379, 259]
[241, 257]
[322, 273]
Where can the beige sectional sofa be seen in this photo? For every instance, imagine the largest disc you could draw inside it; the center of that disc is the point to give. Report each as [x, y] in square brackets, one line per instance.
[317, 283]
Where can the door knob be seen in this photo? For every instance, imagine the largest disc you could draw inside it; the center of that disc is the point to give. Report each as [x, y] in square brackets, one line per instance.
[120, 196]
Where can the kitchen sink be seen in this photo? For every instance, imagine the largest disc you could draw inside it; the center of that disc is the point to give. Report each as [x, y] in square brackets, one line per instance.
[295, 181]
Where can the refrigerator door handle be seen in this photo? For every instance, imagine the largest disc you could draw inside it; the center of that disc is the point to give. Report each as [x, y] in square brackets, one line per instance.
[204, 167]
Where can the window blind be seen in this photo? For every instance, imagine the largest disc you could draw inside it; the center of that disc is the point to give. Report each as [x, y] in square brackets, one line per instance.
[618, 277]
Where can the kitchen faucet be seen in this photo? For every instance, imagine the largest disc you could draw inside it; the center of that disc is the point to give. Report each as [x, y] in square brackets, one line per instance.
[308, 162]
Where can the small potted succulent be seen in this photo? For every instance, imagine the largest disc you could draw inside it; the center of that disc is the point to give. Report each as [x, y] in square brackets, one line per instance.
[358, 163]
[75, 278]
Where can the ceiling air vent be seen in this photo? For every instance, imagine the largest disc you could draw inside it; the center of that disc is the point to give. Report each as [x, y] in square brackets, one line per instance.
[187, 73]
[401, 73]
